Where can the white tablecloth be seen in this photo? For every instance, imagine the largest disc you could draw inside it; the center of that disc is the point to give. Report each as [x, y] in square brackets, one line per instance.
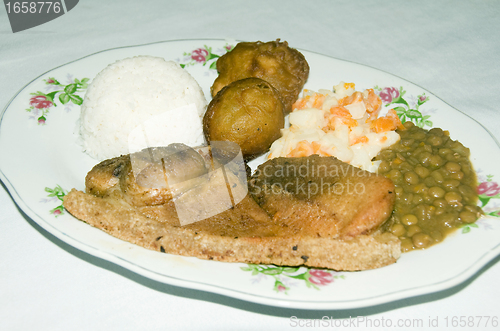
[450, 48]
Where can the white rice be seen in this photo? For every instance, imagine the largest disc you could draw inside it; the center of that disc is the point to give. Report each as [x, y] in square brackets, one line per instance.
[134, 91]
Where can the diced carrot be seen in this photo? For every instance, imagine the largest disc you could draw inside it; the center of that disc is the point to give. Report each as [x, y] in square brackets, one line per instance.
[349, 85]
[350, 122]
[302, 149]
[316, 146]
[363, 139]
[309, 101]
[382, 124]
[392, 114]
[340, 111]
[372, 102]
[355, 97]
[389, 122]
[318, 101]
[301, 103]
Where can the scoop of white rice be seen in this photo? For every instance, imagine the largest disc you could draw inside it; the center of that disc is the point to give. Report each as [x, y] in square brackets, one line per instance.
[134, 91]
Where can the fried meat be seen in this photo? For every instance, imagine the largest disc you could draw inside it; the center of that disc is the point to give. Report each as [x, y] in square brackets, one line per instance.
[323, 196]
[243, 233]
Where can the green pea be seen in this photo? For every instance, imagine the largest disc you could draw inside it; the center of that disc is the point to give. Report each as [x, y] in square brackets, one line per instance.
[436, 161]
[417, 199]
[451, 184]
[430, 182]
[425, 158]
[452, 166]
[421, 240]
[435, 186]
[406, 244]
[440, 203]
[398, 230]
[452, 157]
[452, 197]
[434, 140]
[411, 178]
[444, 151]
[408, 125]
[409, 219]
[436, 192]
[407, 142]
[384, 167]
[472, 209]
[422, 212]
[438, 176]
[437, 236]
[420, 188]
[421, 171]
[395, 175]
[412, 230]
[436, 132]
[457, 175]
[467, 217]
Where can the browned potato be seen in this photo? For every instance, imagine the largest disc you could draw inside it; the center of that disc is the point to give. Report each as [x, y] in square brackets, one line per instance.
[248, 112]
[285, 68]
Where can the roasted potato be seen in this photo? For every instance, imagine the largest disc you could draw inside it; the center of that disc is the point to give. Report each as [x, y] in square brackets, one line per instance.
[248, 112]
[285, 68]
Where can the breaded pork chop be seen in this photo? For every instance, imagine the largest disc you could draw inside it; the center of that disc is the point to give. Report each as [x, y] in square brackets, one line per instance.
[323, 196]
[244, 233]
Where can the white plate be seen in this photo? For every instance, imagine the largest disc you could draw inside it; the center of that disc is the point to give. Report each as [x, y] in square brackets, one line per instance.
[36, 156]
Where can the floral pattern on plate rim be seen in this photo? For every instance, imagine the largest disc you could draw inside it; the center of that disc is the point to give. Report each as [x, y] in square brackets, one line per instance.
[407, 108]
[41, 102]
[282, 276]
[57, 193]
[489, 194]
[204, 55]
[68, 94]
[316, 278]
